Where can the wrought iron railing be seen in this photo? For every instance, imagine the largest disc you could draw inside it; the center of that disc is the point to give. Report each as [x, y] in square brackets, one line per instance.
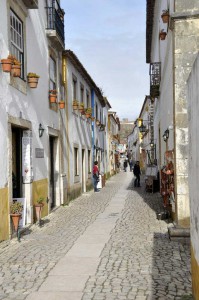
[155, 77]
[55, 19]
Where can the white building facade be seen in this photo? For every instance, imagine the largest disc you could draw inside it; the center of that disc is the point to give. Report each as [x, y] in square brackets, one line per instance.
[31, 159]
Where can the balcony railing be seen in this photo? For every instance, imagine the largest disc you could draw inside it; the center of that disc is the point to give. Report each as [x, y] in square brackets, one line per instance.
[155, 77]
[55, 19]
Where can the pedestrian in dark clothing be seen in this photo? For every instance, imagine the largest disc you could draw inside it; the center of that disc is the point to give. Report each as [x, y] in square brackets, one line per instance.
[136, 172]
[125, 165]
[131, 165]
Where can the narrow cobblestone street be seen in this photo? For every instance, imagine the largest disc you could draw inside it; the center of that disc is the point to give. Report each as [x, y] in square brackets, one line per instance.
[135, 258]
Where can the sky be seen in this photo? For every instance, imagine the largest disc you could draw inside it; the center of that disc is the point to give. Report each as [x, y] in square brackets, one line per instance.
[108, 37]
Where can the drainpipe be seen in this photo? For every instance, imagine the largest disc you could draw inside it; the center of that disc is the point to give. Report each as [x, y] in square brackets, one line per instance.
[65, 83]
[93, 127]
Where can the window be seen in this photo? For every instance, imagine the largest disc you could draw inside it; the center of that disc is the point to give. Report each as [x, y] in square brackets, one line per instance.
[82, 93]
[74, 88]
[52, 74]
[76, 166]
[89, 161]
[96, 112]
[88, 99]
[17, 39]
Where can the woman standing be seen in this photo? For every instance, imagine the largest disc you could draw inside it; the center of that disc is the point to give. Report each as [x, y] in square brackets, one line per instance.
[95, 176]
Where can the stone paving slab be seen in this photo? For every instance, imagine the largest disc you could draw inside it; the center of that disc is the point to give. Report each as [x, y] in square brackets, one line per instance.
[55, 296]
[137, 259]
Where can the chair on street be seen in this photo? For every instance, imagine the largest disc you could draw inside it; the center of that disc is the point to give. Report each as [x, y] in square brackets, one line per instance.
[149, 184]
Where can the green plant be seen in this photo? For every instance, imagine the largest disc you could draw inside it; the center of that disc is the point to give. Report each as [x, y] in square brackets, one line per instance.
[16, 62]
[33, 75]
[75, 102]
[88, 110]
[16, 208]
[40, 200]
[81, 104]
[165, 12]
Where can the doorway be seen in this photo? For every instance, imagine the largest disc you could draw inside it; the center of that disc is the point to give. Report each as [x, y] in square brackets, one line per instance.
[52, 171]
[83, 172]
[17, 134]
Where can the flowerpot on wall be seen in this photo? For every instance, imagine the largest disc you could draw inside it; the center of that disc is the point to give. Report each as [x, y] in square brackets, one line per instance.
[53, 96]
[162, 35]
[16, 70]
[61, 104]
[6, 65]
[32, 82]
[87, 115]
[165, 16]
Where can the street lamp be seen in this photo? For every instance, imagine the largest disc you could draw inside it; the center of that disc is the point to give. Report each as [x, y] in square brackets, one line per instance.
[166, 135]
[41, 130]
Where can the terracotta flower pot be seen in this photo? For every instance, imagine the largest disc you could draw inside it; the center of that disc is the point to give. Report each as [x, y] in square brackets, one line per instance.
[33, 82]
[87, 115]
[52, 98]
[6, 65]
[38, 209]
[165, 18]
[61, 105]
[15, 220]
[162, 35]
[16, 70]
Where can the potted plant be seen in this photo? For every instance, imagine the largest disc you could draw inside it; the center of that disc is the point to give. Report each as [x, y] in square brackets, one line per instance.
[81, 107]
[38, 208]
[53, 96]
[88, 112]
[32, 80]
[61, 104]
[16, 68]
[162, 35]
[165, 16]
[75, 105]
[7, 63]
[16, 209]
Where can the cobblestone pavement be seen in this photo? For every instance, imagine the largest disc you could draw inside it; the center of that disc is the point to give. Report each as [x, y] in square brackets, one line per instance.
[138, 262]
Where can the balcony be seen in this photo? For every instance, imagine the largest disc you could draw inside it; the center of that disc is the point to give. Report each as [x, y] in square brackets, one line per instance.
[155, 77]
[31, 4]
[55, 25]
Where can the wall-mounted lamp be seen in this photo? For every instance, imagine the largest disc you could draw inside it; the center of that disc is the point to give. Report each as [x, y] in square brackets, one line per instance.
[166, 135]
[152, 144]
[41, 130]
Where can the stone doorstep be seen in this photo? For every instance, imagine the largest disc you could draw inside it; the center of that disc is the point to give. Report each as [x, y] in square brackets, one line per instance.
[179, 234]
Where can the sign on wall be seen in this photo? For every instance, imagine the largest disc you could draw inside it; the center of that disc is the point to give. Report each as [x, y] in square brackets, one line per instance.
[27, 170]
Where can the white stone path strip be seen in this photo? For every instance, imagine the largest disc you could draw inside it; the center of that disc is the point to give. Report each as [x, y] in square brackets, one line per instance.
[66, 281]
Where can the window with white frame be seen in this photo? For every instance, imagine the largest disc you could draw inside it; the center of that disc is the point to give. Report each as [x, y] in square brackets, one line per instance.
[52, 74]
[76, 165]
[17, 39]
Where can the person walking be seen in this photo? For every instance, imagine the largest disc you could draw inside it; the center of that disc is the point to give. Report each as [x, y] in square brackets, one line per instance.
[125, 164]
[95, 176]
[131, 165]
[136, 172]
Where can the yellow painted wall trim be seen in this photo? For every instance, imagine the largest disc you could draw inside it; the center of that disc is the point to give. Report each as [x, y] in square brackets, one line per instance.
[195, 274]
[4, 215]
[40, 189]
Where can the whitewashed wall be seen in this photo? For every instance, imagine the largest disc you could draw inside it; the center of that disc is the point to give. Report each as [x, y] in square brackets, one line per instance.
[193, 112]
[79, 128]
